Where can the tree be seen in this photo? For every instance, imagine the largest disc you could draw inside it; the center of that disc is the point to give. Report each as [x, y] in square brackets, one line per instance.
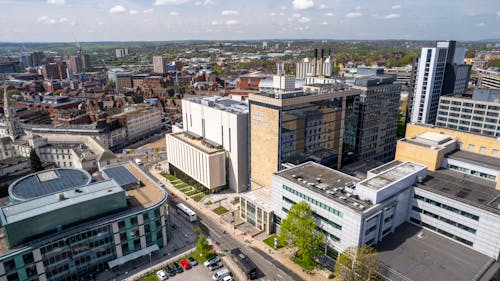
[203, 249]
[35, 163]
[357, 263]
[299, 230]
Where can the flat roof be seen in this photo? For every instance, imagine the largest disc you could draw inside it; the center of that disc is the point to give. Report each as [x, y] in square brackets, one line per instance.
[197, 142]
[47, 182]
[390, 176]
[48, 203]
[468, 189]
[476, 159]
[260, 197]
[385, 167]
[433, 137]
[222, 103]
[121, 175]
[148, 194]
[332, 184]
[421, 255]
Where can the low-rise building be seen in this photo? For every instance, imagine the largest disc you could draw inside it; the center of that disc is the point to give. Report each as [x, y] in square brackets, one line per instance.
[140, 121]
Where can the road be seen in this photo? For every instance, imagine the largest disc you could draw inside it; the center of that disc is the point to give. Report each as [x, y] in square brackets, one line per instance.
[271, 270]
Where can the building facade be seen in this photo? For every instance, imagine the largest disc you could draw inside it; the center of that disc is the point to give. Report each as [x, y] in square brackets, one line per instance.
[159, 65]
[56, 70]
[489, 78]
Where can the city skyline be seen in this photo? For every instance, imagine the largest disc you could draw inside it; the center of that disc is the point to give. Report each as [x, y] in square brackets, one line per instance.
[165, 20]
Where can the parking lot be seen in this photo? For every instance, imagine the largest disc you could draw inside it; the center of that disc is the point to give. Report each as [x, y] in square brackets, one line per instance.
[196, 273]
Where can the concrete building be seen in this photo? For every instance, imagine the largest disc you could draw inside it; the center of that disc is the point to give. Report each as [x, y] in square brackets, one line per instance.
[317, 123]
[317, 66]
[378, 114]
[220, 123]
[140, 121]
[440, 71]
[26, 60]
[68, 228]
[477, 114]
[57, 70]
[489, 78]
[123, 81]
[159, 65]
[120, 53]
[75, 64]
[86, 62]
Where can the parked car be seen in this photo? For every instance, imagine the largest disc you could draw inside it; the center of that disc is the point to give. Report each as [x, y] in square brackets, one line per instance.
[138, 161]
[161, 275]
[185, 264]
[211, 261]
[178, 268]
[227, 278]
[172, 195]
[192, 261]
[170, 270]
[215, 266]
[221, 274]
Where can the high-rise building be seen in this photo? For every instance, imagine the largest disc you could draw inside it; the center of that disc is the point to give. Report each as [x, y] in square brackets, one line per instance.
[39, 58]
[26, 59]
[86, 62]
[478, 114]
[378, 117]
[317, 66]
[12, 126]
[159, 65]
[120, 53]
[264, 45]
[317, 123]
[441, 70]
[75, 64]
[56, 70]
[489, 78]
[123, 80]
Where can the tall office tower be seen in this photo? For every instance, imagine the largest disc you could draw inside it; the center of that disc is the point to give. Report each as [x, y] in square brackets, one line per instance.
[75, 64]
[159, 65]
[264, 45]
[86, 62]
[120, 53]
[440, 71]
[378, 117]
[317, 123]
[26, 59]
[55, 71]
[38, 58]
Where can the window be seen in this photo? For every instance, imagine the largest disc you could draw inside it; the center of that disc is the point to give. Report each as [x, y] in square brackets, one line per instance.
[446, 207]
[482, 149]
[471, 147]
[494, 152]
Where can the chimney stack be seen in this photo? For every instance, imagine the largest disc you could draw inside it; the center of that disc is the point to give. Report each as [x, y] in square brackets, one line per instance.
[315, 62]
[321, 62]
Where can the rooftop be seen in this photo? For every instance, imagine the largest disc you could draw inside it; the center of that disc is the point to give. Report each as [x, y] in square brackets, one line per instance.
[420, 255]
[390, 176]
[476, 159]
[431, 140]
[261, 197]
[121, 175]
[47, 182]
[222, 103]
[198, 142]
[80, 149]
[148, 194]
[327, 182]
[468, 189]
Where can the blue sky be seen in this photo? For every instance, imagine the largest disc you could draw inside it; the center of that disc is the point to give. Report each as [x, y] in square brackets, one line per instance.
[137, 20]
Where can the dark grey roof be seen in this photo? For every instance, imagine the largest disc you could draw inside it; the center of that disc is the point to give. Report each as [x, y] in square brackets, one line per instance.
[47, 182]
[121, 175]
[476, 159]
[488, 95]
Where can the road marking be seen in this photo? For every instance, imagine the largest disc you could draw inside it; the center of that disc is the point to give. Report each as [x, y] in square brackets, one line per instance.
[279, 276]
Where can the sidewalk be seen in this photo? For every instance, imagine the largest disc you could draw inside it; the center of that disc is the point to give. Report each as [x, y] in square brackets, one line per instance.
[280, 255]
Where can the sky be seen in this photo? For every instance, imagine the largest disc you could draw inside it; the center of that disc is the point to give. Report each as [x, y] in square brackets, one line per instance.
[164, 20]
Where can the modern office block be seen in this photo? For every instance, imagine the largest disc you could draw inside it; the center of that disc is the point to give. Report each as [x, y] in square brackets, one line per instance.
[159, 65]
[489, 78]
[68, 232]
[477, 114]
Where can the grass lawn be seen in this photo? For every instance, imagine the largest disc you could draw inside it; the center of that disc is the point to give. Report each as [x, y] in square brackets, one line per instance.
[180, 185]
[198, 197]
[270, 241]
[185, 189]
[170, 177]
[191, 192]
[149, 277]
[303, 265]
[220, 210]
[209, 202]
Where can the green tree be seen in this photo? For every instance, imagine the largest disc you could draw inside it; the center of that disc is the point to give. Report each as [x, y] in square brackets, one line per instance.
[111, 84]
[35, 163]
[357, 263]
[299, 230]
[494, 63]
[13, 92]
[203, 249]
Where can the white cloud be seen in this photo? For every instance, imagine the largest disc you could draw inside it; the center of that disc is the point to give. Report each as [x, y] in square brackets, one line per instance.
[396, 7]
[133, 12]
[117, 9]
[230, 13]
[352, 15]
[481, 24]
[324, 23]
[330, 14]
[282, 14]
[392, 16]
[47, 20]
[216, 22]
[304, 19]
[174, 13]
[149, 11]
[296, 15]
[100, 23]
[302, 4]
[322, 7]
[357, 8]
[272, 14]
[204, 3]
[169, 2]
[498, 14]
[63, 19]
[56, 2]
[232, 22]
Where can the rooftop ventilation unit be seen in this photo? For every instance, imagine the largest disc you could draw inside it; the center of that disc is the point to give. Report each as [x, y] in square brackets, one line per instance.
[342, 198]
[318, 179]
[348, 194]
[294, 176]
[361, 207]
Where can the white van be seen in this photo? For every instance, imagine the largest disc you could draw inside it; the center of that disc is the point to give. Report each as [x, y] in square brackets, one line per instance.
[221, 274]
[161, 275]
[138, 161]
